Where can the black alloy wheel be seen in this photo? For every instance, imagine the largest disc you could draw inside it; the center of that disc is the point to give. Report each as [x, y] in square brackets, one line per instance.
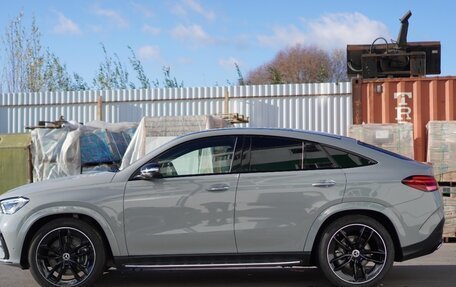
[356, 251]
[66, 252]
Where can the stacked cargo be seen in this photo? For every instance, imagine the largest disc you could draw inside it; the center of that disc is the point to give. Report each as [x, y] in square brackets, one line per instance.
[449, 229]
[441, 153]
[442, 149]
[74, 149]
[397, 138]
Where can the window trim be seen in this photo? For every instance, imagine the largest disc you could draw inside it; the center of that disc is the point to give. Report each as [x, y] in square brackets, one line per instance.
[243, 145]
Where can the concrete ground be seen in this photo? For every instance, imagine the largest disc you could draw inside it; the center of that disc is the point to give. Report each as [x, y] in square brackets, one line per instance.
[437, 269]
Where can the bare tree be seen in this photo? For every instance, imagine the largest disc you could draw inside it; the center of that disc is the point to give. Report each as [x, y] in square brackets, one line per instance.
[111, 73]
[27, 68]
[139, 69]
[57, 78]
[299, 64]
[169, 81]
[14, 71]
[338, 60]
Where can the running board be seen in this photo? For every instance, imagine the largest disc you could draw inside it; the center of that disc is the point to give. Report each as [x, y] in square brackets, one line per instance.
[225, 265]
[214, 260]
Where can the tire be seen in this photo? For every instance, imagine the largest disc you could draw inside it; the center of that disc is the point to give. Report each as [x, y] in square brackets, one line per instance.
[66, 252]
[355, 251]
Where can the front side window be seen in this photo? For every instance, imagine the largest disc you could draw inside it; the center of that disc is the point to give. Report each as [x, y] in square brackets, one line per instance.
[203, 156]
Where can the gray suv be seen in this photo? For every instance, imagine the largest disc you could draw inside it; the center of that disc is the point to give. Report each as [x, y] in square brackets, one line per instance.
[230, 197]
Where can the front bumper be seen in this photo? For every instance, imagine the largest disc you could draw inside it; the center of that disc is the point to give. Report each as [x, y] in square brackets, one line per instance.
[4, 254]
[425, 247]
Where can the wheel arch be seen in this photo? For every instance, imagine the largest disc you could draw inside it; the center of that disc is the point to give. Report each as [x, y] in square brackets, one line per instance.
[44, 220]
[376, 215]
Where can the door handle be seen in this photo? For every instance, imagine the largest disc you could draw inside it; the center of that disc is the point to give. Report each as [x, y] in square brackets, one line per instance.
[218, 188]
[324, 183]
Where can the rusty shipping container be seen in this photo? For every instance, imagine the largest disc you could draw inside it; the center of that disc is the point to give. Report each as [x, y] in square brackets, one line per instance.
[397, 100]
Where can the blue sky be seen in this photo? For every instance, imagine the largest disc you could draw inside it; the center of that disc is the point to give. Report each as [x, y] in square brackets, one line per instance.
[200, 39]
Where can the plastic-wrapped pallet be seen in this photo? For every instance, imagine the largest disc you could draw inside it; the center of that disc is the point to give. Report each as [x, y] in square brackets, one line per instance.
[155, 131]
[397, 138]
[442, 149]
[76, 148]
[45, 148]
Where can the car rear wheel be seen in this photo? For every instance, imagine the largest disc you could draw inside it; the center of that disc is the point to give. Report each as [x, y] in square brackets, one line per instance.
[355, 251]
[66, 252]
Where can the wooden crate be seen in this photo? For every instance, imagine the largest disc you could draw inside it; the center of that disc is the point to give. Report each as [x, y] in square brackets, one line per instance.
[446, 177]
[447, 191]
[449, 229]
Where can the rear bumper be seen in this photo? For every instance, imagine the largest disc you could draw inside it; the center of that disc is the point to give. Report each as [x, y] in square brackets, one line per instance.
[426, 246]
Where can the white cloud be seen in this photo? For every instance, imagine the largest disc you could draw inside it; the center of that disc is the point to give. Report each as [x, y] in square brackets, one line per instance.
[329, 31]
[193, 33]
[182, 9]
[114, 16]
[338, 30]
[149, 52]
[283, 36]
[66, 25]
[198, 8]
[185, 60]
[178, 10]
[151, 30]
[229, 63]
[144, 10]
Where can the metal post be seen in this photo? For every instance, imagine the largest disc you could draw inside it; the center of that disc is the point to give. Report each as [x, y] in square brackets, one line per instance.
[100, 108]
[226, 107]
[357, 100]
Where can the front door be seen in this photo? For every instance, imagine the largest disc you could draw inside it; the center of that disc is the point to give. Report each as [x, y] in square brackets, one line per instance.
[189, 210]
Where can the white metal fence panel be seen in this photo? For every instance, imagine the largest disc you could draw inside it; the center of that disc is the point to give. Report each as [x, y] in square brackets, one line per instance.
[321, 107]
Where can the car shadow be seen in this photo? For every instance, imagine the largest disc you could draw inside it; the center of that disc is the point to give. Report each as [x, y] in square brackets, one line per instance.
[399, 276]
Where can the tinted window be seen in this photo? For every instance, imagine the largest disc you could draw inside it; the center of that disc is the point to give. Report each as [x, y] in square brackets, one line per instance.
[315, 157]
[345, 159]
[203, 156]
[275, 154]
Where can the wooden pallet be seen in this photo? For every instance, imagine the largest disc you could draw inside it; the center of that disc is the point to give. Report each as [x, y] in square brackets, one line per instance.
[449, 229]
[449, 237]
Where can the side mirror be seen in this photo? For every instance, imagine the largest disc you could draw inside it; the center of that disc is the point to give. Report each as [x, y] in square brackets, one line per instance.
[150, 171]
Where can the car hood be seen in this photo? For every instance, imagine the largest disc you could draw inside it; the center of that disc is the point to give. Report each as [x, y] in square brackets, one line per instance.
[60, 183]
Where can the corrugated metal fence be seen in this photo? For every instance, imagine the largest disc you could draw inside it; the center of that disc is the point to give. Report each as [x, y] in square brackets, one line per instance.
[320, 107]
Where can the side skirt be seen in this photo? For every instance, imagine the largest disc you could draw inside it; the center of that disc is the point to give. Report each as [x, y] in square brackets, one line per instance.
[214, 260]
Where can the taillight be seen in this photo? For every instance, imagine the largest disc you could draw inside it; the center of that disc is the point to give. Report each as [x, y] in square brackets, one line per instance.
[421, 182]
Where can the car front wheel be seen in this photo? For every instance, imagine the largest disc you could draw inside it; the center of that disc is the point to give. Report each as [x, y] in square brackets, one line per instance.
[66, 252]
[355, 251]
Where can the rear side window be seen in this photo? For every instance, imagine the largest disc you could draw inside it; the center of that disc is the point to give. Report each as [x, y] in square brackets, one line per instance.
[315, 157]
[346, 159]
[269, 154]
[274, 154]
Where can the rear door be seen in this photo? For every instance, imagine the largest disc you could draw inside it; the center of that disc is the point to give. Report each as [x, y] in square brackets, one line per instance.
[284, 185]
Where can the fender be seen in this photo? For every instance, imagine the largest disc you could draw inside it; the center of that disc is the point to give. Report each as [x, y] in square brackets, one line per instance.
[117, 249]
[351, 206]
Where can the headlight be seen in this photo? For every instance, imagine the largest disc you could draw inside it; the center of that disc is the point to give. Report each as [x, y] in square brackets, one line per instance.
[11, 205]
